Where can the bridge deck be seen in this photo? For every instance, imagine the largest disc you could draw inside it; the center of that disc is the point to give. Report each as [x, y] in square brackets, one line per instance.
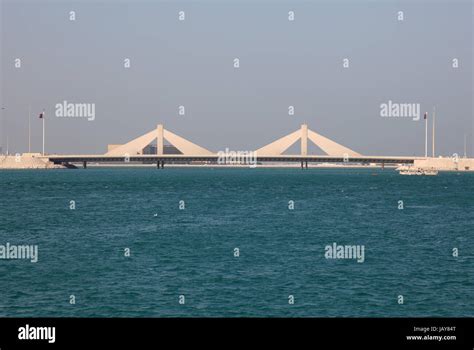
[59, 159]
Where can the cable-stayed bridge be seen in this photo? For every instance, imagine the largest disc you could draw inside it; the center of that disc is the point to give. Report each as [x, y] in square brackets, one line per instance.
[138, 151]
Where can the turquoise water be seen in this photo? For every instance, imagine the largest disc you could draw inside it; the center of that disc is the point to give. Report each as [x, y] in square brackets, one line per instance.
[190, 252]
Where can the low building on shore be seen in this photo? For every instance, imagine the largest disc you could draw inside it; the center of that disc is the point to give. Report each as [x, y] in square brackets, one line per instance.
[26, 161]
[445, 163]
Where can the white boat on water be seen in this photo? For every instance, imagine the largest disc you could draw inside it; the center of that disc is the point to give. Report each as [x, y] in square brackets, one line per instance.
[404, 170]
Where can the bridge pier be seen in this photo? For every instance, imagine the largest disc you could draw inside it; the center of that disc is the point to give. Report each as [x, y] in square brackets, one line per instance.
[162, 164]
[306, 164]
[302, 165]
[84, 164]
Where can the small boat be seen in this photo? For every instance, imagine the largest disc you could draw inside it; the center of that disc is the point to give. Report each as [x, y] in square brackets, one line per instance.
[417, 171]
[430, 172]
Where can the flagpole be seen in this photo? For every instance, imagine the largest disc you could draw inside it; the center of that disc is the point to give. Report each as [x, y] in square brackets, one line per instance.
[434, 120]
[43, 130]
[426, 135]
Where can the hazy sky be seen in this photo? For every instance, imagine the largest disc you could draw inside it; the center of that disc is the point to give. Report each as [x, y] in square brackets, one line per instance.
[282, 63]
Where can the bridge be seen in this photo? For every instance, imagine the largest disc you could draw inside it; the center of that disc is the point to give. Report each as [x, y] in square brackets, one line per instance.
[150, 148]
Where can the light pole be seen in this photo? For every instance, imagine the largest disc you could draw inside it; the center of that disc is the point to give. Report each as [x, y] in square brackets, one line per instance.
[4, 127]
[426, 134]
[465, 145]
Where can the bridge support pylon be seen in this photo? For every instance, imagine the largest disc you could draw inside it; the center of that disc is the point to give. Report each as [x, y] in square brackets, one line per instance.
[304, 139]
[304, 134]
[159, 139]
